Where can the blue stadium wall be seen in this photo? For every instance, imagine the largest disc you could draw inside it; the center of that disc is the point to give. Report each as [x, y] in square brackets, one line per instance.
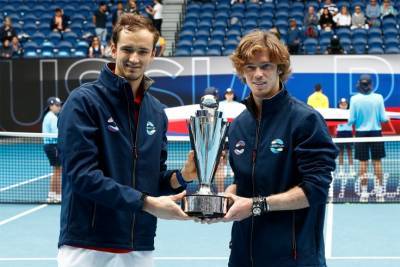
[26, 84]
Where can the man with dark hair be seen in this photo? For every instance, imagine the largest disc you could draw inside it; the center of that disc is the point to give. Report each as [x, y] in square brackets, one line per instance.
[112, 138]
[100, 22]
[318, 99]
[60, 21]
[367, 113]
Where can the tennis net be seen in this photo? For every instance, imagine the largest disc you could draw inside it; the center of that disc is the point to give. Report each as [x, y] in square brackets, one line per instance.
[25, 171]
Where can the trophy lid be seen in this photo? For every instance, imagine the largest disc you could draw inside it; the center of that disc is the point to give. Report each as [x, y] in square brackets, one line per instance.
[209, 102]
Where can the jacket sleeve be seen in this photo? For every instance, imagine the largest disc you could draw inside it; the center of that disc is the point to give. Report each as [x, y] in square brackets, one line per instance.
[315, 155]
[165, 175]
[82, 174]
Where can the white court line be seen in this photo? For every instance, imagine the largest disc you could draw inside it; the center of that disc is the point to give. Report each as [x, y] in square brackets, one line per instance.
[206, 258]
[329, 231]
[25, 182]
[22, 214]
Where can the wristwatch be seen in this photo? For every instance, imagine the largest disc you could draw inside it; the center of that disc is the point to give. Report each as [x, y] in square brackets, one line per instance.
[260, 206]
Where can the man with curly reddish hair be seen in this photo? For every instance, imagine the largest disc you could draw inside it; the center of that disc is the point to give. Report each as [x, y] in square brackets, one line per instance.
[282, 157]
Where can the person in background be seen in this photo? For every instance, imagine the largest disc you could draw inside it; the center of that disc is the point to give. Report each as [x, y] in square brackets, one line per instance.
[335, 48]
[367, 113]
[7, 31]
[6, 50]
[96, 49]
[230, 107]
[373, 13]
[358, 20]
[343, 18]
[118, 12]
[49, 126]
[113, 145]
[387, 10]
[59, 22]
[310, 23]
[345, 131]
[326, 21]
[161, 46]
[294, 36]
[18, 51]
[282, 157]
[156, 13]
[318, 99]
[100, 22]
[131, 7]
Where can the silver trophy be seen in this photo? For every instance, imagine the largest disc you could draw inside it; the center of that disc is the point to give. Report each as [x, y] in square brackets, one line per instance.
[207, 131]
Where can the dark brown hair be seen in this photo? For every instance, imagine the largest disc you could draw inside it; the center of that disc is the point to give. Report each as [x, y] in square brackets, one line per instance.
[134, 22]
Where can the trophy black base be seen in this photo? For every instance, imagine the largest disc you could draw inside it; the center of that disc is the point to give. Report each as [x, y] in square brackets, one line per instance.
[205, 206]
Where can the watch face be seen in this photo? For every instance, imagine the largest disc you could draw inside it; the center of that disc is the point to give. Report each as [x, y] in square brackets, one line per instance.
[257, 211]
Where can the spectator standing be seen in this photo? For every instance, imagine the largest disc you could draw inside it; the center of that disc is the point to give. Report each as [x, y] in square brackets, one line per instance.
[367, 113]
[96, 49]
[49, 126]
[318, 99]
[160, 46]
[6, 50]
[387, 10]
[118, 12]
[373, 13]
[343, 18]
[100, 22]
[156, 13]
[60, 21]
[7, 31]
[345, 131]
[18, 51]
[326, 20]
[358, 20]
[230, 107]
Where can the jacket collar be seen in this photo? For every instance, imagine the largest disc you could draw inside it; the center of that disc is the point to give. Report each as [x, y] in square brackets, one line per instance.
[117, 83]
[269, 106]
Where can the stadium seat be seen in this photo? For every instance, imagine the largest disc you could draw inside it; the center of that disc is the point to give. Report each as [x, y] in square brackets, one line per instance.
[375, 32]
[198, 52]
[213, 52]
[389, 22]
[38, 37]
[359, 48]
[184, 44]
[375, 41]
[78, 18]
[218, 34]
[228, 52]
[238, 7]
[375, 50]
[215, 44]
[359, 33]
[54, 37]
[29, 28]
[70, 37]
[208, 7]
[200, 44]
[310, 46]
[392, 50]
[346, 44]
[30, 19]
[186, 35]
[390, 32]
[344, 32]
[265, 24]
[182, 52]
[47, 49]
[31, 49]
[24, 10]
[391, 41]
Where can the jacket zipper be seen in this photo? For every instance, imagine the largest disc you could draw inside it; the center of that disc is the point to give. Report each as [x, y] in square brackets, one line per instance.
[294, 246]
[94, 214]
[254, 155]
[135, 156]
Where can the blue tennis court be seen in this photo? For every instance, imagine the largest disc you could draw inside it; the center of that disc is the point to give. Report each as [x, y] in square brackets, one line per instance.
[359, 235]
[364, 235]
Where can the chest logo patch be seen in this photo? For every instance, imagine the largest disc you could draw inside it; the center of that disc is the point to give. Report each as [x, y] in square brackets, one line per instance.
[277, 146]
[150, 128]
[239, 147]
[112, 126]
